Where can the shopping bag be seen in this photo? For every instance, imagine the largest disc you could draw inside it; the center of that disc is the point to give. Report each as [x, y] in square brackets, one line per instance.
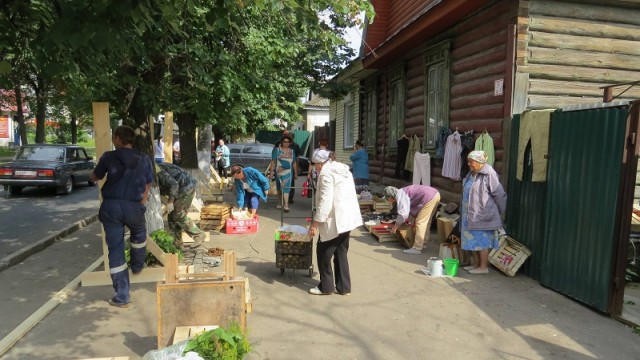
[451, 249]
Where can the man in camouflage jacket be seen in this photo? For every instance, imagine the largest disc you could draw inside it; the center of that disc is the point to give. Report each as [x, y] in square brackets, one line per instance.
[179, 187]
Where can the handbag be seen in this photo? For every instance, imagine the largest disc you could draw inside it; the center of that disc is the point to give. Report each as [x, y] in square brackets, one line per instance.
[222, 163]
[451, 249]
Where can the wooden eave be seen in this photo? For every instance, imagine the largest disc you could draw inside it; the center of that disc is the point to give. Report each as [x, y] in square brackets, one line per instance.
[431, 23]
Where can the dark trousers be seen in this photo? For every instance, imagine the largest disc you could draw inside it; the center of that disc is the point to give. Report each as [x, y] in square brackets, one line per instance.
[114, 216]
[337, 249]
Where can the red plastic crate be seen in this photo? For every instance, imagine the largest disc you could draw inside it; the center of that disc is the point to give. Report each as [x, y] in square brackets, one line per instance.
[249, 226]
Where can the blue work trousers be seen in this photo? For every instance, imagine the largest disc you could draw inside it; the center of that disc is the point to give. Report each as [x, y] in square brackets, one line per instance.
[114, 216]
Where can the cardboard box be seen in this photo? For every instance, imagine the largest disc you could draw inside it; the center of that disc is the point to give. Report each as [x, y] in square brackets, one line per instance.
[445, 227]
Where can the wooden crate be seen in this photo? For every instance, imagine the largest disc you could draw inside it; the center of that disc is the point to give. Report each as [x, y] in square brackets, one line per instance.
[382, 206]
[214, 216]
[509, 256]
[366, 206]
[187, 332]
[383, 233]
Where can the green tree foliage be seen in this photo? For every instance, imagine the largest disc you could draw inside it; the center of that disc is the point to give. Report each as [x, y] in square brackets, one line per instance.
[236, 64]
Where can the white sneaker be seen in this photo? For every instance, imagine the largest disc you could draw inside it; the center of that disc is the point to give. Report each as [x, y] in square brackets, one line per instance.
[316, 291]
[412, 251]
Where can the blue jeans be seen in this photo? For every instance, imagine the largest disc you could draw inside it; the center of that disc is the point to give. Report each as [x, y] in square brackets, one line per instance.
[114, 216]
[251, 200]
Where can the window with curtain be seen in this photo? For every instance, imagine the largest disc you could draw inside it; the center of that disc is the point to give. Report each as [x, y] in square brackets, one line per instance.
[436, 92]
[371, 113]
[348, 125]
[396, 106]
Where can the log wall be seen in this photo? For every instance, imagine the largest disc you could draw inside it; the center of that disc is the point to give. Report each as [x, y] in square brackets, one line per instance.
[570, 49]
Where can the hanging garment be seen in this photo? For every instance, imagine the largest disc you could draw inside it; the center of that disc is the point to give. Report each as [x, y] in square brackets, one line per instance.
[441, 142]
[451, 164]
[414, 146]
[467, 140]
[534, 127]
[422, 169]
[403, 148]
[484, 142]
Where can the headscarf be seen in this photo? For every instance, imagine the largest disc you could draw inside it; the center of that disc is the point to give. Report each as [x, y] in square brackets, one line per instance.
[478, 156]
[320, 156]
[390, 192]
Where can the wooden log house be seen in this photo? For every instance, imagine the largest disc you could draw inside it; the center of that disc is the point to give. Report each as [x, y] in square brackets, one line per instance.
[473, 64]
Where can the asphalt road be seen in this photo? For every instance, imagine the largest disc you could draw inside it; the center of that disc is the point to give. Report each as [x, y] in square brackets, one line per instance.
[37, 213]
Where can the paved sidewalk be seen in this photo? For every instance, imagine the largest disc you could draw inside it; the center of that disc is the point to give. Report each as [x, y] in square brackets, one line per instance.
[395, 311]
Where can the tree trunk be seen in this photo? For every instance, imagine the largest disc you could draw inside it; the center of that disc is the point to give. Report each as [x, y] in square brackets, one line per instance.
[41, 112]
[188, 152]
[204, 149]
[74, 129]
[143, 126]
[20, 116]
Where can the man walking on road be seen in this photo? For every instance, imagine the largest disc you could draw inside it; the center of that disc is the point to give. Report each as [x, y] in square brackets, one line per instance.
[124, 195]
[180, 187]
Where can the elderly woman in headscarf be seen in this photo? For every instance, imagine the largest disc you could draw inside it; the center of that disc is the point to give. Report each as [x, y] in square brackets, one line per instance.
[419, 202]
[484, 202]
[337, 213]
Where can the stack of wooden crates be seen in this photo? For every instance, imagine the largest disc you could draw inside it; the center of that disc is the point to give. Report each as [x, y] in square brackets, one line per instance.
[214, 216]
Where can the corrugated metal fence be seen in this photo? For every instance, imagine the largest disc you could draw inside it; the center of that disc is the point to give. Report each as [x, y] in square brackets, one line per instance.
[571, 221]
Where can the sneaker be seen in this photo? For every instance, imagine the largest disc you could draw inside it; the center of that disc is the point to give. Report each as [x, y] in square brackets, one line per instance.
[343, 293]
[470, 267]
[316, 291]
[479, 271]
[412, 251]
[116, 304]
[279, 207]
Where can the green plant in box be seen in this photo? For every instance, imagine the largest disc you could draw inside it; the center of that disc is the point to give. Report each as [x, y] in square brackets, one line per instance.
[220, 344]
[164, 239]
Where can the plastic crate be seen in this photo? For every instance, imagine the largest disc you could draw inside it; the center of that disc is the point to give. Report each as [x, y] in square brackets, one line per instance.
[509, 256]
[249, 226]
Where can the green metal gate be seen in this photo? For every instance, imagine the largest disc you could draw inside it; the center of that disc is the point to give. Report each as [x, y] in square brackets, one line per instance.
[583, 184]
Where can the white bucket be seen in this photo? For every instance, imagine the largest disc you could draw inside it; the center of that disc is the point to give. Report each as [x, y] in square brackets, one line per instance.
[434, 266]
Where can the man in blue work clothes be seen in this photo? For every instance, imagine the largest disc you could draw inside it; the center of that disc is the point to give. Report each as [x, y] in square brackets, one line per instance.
[180, 188]
[124, 195]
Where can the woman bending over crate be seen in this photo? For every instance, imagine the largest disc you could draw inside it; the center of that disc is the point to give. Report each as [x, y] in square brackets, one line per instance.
[250, 186]
[484, 202]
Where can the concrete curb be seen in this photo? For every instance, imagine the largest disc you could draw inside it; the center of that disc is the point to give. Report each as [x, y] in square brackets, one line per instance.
[25, 252]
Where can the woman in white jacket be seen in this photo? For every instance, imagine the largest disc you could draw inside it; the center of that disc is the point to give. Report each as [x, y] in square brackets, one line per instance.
[337, 213]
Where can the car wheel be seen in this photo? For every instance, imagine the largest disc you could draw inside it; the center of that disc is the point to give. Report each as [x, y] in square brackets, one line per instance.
[67, 188]
[15, 190]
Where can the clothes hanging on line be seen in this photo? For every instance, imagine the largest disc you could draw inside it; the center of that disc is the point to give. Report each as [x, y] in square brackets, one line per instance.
[484, 142]
[403, 151]
[414, 146]
[422, 169]
[467, 140]
[441, 142]
[452, 163]
[534, 127]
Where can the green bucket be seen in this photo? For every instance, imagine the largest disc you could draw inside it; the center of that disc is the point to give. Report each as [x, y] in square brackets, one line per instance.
[451, 267]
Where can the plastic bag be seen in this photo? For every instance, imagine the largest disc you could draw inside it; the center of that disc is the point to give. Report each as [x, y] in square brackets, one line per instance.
[172, 352]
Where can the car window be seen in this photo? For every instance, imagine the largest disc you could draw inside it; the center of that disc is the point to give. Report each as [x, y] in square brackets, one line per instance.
[267, 149]
[234, 150]
[72, 155]
[251, 149]
[41, 153]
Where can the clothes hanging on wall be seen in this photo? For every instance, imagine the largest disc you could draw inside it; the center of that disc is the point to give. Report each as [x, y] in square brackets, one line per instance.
[403, 149]
[534, 127]
[484, 142]
[422, 169]
[451, 164]
[441, 142]
[414, 146]
[467, 140]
